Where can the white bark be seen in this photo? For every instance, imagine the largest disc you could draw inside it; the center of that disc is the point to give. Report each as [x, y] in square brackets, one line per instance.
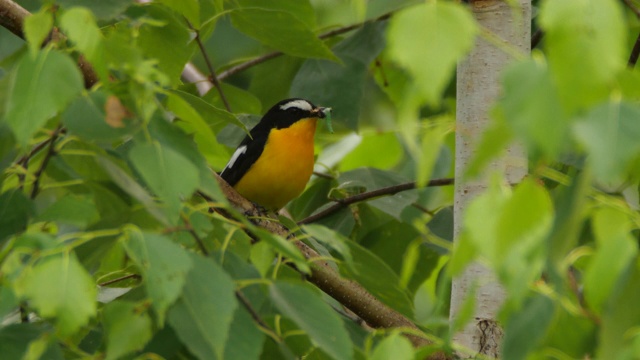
[478, 86]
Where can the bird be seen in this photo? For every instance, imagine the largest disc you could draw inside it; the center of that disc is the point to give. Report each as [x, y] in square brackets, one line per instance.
[274, 162]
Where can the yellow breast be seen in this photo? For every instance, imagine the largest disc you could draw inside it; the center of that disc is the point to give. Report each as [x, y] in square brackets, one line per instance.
[284, 168]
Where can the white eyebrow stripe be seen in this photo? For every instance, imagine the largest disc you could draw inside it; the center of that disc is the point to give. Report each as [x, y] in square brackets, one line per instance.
[241, 150]
[300, 104]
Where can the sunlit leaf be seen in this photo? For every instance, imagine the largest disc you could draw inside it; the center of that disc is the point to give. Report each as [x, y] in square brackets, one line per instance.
[598, 49]
[36, 29]
[609, 133]
[41, 86]
[52, 283]
[447, 32]
[80, 26]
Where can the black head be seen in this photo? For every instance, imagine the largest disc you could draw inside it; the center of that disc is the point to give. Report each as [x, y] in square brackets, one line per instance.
[287, 112]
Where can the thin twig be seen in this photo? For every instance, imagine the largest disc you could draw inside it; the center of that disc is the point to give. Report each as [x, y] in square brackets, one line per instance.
[633, 7]
[635, 52]
[50, 152]
[259, 60]
[389, 190]
[212, 73]
[536, 37]
[195, 235]
[123, 278]
[256, 317]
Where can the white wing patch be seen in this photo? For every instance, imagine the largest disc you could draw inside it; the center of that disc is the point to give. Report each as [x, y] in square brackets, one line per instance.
[300, 104]
[241, 150]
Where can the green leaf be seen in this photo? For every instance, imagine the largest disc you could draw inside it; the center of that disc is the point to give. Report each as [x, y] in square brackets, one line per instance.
[262, 255]
[432, 141]
[37, 28]
[51, 283]
[79, 25]
[164, 266]
[620, 321]
[525, 219]
[282, 31]
[172, 137]
[429, 40]
[332, 239]
[301, 9]
[306, 308]
[154, 39]
[284, 247]
[519, 340]
[190, 9]
[72, 209]
[15, 210]
[374, 179]
[15, 339]
[245, 338]
[340, 86]
[394, 346]
[101, 117]
[216, 117]
[597, 49]
[131, 187]
[193, 123]
[377, 277]
[493, 142]
[240, 101]
[127, 326]
[609, 133]
[203, 314]
[531, 106]
[41, 86]
[616, 248]
[169, 174]
[380, 150]
[105, 9]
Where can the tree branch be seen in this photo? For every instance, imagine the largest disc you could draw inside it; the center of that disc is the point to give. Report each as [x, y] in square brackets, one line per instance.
[349, 293]
[12, 18]
[389, 190]
[50, 152]
[212, 73]
[259, 60]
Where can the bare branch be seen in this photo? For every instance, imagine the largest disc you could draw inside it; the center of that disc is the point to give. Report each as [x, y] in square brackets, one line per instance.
[259, 60]
[212, 73]
[349, 293]
[390, 190]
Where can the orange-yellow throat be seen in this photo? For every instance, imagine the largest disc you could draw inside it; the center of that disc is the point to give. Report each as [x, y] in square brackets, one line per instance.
[284, 168]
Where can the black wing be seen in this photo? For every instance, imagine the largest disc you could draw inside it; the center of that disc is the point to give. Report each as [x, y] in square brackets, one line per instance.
[240, 164]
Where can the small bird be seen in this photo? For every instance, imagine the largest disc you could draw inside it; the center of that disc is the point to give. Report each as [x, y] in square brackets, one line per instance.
[273, 164]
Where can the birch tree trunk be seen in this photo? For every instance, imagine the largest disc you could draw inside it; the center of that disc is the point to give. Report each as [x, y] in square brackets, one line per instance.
[478, 86]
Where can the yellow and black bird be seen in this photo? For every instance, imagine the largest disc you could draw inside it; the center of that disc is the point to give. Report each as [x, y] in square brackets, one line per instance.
[273, 164]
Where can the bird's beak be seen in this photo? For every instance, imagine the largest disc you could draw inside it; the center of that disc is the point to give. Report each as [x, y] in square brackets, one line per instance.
[320, 112]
